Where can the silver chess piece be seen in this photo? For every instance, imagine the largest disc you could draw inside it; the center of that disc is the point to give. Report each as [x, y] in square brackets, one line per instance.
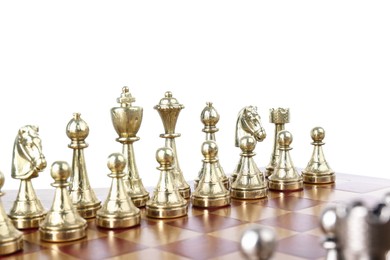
[328, 225]
[258, 243]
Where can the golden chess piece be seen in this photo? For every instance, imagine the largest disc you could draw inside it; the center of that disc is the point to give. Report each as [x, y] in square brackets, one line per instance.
[250, 182]
[285, 177]
[169, 109]
[27, 161]
[118, 211]
[210, 118]
[318, 170]
[210, 191]
[80, 191]
[11, 239]
[166, 202]
[127, 121]
[279, 117]
[63, 222]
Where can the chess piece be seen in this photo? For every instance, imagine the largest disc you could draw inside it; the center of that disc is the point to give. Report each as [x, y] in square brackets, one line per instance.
[80, 191]
[248, 123]
[210, 118]
[250, 182]
[328, 226]
[11, 239]
[279, 117]
[118, 211]
[127, 121]
[169, 109]
[258, 243]
[285, 177]
[63, 222]
[317, 170]
[166, 202]
[27, 161]
[210, 191]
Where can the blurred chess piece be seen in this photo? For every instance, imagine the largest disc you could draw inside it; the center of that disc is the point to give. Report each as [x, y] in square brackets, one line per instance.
[118, 210]
[258, 243]
[317, 170]
[63, 222]
[279, 117]
[127, 121]
[11, 239]
[27, 161]
[210, 191]
[166, 202]
[82, 195]
[169, 109]
[328, 225]
[285, 177]
[250, 182]
[248, 124]
[210, 118]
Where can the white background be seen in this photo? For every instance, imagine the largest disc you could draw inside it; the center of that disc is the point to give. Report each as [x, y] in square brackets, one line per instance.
[328, 61]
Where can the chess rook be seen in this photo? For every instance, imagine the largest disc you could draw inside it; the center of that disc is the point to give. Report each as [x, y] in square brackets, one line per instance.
[80, 191]
[258, 243]
[169, 109]
[127, 121]
[166, 202]
[62, 222]
[279, 117]
[27, 161]
[318, 170]
[118, 210]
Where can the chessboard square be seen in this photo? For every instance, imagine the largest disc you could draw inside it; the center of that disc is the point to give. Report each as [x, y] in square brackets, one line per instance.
[42, 254]
[360, 187]
[100, 248]
[293, 221]
[157, 235]
[302, 245]
[27, 249]
[205, 223]
[150, 253]
[290, 202]
[202, 247]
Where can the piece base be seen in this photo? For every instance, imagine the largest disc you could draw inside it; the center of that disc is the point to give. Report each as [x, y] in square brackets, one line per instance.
[63, 235]
[112, 222]
[207, 202]
[160, 212]
[248, 194]
[318, 179]
[26, 223]
[285, 186]
[12, 246]
[89, 212]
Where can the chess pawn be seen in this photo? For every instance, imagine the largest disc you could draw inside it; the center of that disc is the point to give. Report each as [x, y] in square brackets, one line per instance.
[127, 121]
[258, 243]
[317, 170]
[279, 117]
[80, 191]
[63, 222]
[27, 161]
[328, 225]
[11, 239]
[118, 211]
[210, 118]
[250, 182]
[285, 177]
[169, 109]
[210, 191]
[166, 202]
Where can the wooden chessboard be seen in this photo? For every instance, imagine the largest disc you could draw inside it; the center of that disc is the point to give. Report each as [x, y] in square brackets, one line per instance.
[213, 233]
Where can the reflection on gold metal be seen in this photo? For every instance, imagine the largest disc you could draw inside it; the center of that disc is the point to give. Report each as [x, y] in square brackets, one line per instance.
[285, 177]
[210, 191]
[248, 124]
[317, 170]
[250, 182]
[27, 161]
[62, 222]
[11, 239]
[166, 202]
[118, 211]
[210, 118]
[127, 121]
[80, 191]
[169, 109]
[279, 117]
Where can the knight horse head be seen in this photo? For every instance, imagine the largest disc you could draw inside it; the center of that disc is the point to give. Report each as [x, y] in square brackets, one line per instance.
[249, 123]
[27, 157]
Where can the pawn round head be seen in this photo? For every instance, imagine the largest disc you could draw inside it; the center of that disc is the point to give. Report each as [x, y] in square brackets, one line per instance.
[77, 128]
[116, 162]
[284, 138]
[60, 171]
[164, 156]
[247, 144]
[317, 134]
[210, 149]
[258, 243]
[328, 221]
